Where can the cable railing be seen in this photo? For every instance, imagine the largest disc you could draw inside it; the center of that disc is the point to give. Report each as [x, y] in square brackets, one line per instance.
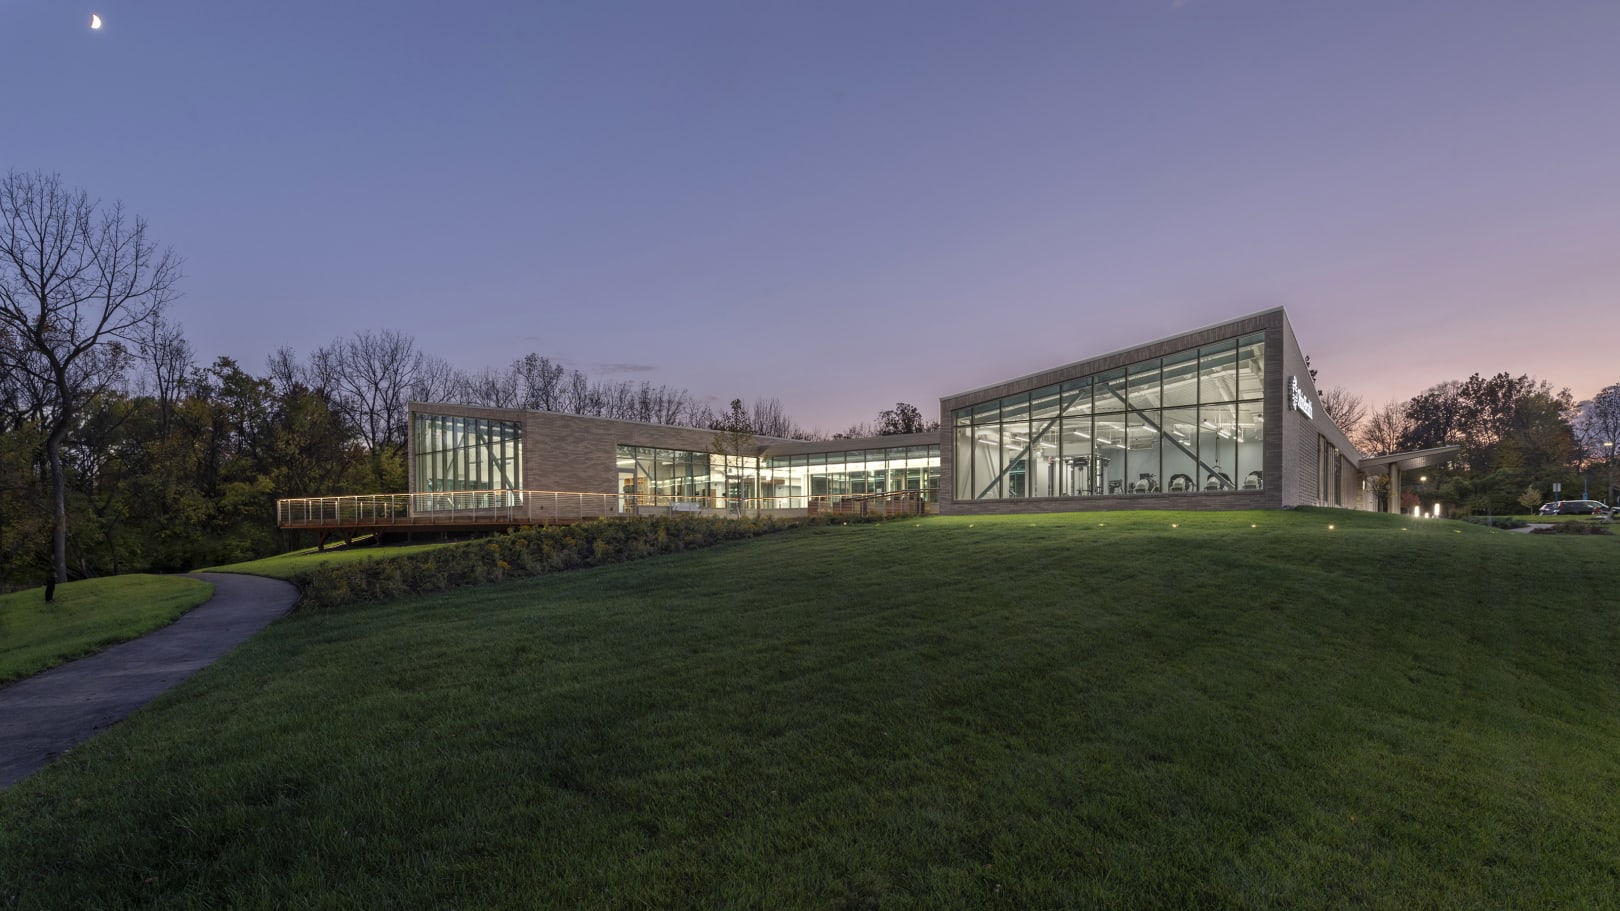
[540, 507]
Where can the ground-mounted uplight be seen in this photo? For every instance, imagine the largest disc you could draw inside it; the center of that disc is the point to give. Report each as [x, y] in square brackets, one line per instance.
[1174, 525]
[1330, 528]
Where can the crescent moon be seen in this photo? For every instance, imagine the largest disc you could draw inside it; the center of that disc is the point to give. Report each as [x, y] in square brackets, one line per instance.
[95, 21]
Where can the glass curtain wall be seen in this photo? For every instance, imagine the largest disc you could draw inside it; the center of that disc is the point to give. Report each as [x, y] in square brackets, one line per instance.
[646, 471]
[1189, 422]
[791, 481]
[455, 454]
[781, 482]
[648, 475]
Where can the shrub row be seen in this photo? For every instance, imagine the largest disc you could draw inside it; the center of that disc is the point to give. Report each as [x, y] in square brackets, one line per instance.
[530, 552]
[1571, 528]
[1497, 521]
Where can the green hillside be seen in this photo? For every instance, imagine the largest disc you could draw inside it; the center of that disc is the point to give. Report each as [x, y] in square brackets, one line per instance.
[88, 616]
[1312, 709]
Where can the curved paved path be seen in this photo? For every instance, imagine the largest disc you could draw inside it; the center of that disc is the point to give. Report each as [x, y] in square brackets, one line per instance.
[44, 716]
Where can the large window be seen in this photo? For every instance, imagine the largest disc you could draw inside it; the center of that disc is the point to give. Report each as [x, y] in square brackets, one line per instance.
[1189, 422]
[791, 481]
[652, 476]
[454, 454]
[648, 475]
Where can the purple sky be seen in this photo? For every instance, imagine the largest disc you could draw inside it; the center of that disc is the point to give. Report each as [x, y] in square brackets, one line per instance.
[850, 204]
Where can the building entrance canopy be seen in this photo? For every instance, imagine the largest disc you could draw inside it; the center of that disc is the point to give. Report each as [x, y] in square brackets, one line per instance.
[1397, 462]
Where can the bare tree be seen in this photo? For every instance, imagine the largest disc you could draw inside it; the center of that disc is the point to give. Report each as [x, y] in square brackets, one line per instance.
[540, 383]
[664, 405]
[284, 370]
[24, 396]
[78, 282]
[1381, 432]
[169, 359]
[372, 377]
[1344, 408]
[582, 396]
[491, 388]
[771, 420]
[433, 380]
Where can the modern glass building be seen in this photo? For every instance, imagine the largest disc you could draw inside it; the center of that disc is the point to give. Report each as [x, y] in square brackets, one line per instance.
[1190, 422]
[457, 448]
[1220, 417]
[1224, 416]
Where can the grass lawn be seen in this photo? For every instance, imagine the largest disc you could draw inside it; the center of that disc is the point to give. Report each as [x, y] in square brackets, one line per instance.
[288, 565]
[86, 617]
[1131, 710]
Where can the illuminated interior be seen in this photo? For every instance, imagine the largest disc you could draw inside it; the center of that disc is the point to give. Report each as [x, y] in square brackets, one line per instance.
[777, 482]
[1190, 422]
[454, 454]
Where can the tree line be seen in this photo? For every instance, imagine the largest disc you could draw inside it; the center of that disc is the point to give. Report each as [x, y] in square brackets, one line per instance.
[167, 464]
[121, 452]
[1517, 436]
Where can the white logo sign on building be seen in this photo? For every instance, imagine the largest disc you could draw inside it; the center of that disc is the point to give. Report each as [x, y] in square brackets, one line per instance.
[1298, 400]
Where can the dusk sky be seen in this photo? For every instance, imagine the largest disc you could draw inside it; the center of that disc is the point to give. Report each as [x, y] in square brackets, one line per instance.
[845, 205]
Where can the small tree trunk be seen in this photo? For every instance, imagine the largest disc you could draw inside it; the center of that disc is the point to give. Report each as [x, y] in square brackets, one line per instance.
[112, 547]
[53, 455]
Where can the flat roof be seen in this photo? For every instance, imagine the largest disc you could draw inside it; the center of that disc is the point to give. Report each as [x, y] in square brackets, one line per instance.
[1118, 351]
[1416, 458]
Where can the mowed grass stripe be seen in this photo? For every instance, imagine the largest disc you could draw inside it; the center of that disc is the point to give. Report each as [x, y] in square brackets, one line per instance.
[1029, 712]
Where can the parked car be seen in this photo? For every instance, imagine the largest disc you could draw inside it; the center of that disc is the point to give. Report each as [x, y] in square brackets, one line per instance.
[1582, 508]
[1548, 509]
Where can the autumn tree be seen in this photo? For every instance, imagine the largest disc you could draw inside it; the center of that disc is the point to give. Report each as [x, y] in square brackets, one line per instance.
[1481, 414]
[79, 284]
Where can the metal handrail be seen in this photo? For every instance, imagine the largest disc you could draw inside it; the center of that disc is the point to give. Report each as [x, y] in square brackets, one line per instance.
[529, 507]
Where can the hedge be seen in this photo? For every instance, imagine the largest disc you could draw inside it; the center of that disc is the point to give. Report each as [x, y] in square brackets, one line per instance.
[528, 552]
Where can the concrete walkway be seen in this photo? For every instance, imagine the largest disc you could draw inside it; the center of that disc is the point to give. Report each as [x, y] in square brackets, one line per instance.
[44, 716]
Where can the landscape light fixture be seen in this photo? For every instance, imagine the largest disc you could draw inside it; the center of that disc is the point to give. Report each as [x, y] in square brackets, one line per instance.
[1609, 445]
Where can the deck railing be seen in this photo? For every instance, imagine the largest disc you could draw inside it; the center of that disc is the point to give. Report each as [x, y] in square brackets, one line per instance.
[540, 507]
